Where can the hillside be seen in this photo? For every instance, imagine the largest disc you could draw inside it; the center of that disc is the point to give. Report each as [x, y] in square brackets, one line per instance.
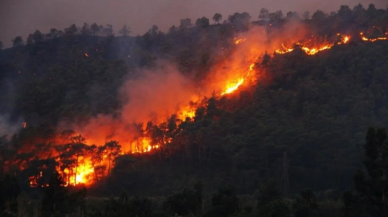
[316, 109]
[239, 103]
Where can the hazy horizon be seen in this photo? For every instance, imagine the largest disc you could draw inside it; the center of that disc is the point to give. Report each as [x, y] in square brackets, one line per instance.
[22, 17]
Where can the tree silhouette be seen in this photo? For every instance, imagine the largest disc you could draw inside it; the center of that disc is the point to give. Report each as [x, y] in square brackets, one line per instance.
[17, 41]
[54, 33]
[172, 29]
[113, 149]
[30, 39]
[77, 149]
[1, 45]
[85, 30]
[71, 31]
[95, 29]
[202, 22]
[319, 15]
[241, 21]
[345, 13]
[217, 18]
[264, 15]
[291, 15]
[276, 17]
[125, 31]
[376, 163]
[108, 30]
[97, 158]
[154, 30]
[37, 36]
[185, 23]
[372, 188]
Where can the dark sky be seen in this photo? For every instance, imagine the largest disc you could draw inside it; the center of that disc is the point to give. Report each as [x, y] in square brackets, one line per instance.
[21, 17]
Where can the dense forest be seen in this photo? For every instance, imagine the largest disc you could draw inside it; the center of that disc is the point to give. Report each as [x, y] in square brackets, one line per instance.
[304, 136]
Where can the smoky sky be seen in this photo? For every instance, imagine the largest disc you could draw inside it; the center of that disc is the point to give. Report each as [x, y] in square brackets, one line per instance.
[21, 17]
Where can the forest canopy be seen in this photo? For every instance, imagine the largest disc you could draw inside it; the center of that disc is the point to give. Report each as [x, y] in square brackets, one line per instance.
[240, 113]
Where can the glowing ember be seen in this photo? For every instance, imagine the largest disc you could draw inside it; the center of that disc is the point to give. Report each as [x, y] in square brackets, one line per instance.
[86, 55]
[238, 41]
[346, 39]
[24, 124]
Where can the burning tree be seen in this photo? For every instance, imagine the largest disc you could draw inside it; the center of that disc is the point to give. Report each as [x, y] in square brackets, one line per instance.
[112, 150]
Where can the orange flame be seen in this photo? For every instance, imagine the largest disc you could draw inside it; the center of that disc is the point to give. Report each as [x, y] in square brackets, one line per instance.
[230, 88]
[346, 39]
[311, 50]
[381, 38]
[238, 41]
[187, 112]
[234, 86]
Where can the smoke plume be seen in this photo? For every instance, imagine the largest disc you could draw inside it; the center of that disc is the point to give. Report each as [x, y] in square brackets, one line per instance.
[154, 96]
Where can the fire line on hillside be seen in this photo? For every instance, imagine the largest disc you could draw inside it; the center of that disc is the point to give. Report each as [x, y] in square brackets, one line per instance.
[96, 162]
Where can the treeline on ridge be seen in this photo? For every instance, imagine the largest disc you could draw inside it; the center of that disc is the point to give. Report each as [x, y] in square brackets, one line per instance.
[304, 127]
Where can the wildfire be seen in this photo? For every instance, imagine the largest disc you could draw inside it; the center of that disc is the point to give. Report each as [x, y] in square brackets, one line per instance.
[96, 162]
[232, 86]
[311, 50]
[381, 38]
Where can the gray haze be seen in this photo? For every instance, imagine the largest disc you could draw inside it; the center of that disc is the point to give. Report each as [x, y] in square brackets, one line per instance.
[9, 128]
[21, 17]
